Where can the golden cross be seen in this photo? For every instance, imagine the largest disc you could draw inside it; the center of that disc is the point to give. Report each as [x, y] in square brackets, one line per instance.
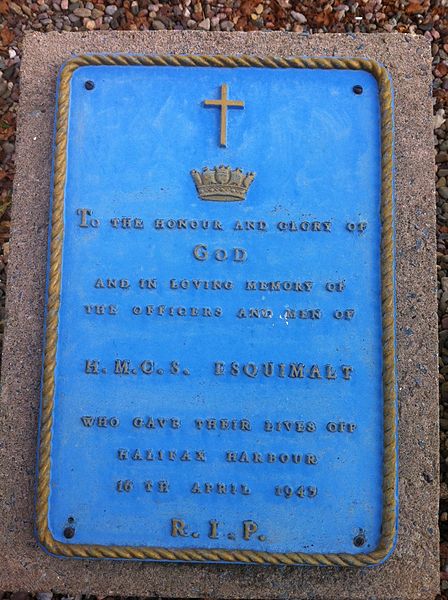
[223, 103]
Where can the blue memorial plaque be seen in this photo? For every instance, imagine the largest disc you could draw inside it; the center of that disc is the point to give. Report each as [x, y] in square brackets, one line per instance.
[219, 370]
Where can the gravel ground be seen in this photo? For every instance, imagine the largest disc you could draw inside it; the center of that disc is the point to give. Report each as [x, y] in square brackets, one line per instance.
[419, 17]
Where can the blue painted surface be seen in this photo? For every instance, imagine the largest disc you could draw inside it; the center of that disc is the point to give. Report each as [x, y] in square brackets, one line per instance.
[315, 148]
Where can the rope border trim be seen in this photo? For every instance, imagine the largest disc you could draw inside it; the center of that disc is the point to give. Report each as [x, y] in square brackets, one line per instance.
[389, 520]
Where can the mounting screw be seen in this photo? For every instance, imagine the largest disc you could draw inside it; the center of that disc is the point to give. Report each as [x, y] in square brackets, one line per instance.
[357, 89]
[69, 532]
[359, 540]
[89, 85]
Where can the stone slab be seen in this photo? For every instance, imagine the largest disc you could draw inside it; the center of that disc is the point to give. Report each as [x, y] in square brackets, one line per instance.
[412, 571]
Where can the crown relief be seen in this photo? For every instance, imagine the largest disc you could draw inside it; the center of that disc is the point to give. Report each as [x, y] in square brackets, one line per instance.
[222, 184]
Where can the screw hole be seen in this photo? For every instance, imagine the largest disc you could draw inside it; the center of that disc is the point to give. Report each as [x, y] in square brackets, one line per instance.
[359, 541]
[70, 520]
[357, 89]
[69, 532]
[89, 85]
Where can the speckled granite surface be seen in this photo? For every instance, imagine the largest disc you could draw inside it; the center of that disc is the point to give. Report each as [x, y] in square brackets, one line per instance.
[412, 572]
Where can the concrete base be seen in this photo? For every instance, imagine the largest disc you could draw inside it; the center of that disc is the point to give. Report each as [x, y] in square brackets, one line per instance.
[412, 572]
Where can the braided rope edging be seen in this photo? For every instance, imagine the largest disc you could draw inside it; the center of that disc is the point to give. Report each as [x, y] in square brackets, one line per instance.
[389, 521]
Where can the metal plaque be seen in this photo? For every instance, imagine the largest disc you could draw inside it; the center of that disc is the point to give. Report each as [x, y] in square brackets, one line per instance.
[219, 370]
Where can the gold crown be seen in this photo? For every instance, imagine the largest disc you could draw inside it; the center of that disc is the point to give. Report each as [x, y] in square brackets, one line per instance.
[222, 184]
